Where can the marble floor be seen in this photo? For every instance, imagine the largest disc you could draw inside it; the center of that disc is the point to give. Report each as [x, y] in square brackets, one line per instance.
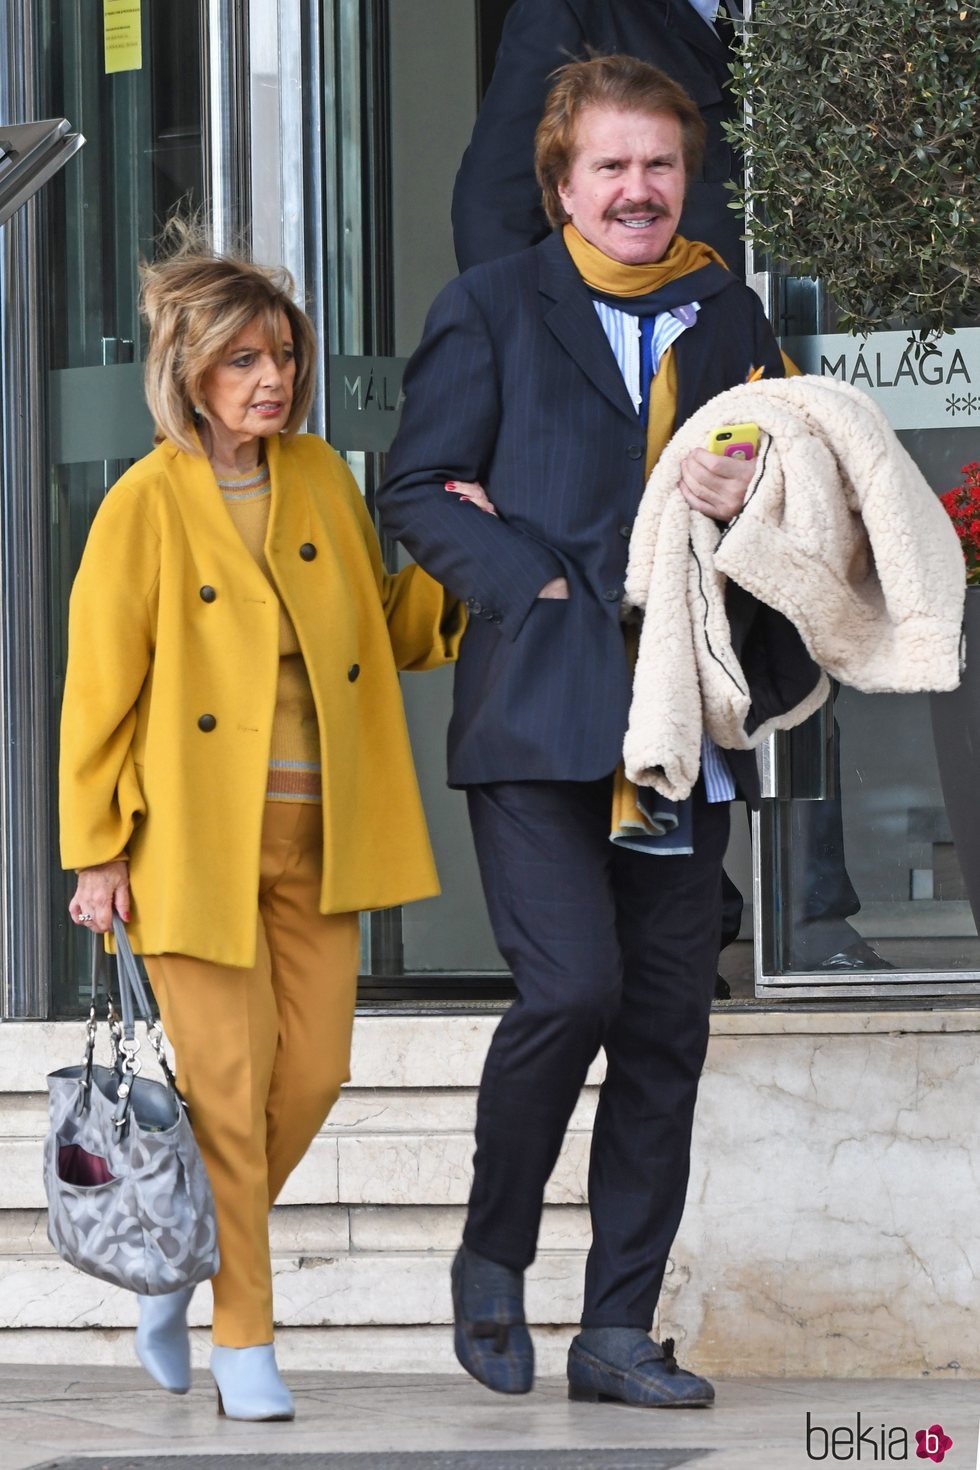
[57, 1414]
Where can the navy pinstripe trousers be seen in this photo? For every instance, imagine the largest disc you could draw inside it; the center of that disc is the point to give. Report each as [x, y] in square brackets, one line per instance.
[608, 948]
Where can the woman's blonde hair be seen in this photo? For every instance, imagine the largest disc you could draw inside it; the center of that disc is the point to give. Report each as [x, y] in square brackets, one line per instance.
[196, 302]
[623, 84]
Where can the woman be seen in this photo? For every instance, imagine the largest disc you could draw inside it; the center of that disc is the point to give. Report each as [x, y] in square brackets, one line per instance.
[236, 779]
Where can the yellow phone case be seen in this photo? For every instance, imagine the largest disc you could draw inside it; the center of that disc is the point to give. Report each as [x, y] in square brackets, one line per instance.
[737, 441]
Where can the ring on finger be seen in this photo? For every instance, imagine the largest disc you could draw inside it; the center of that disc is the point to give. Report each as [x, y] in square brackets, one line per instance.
[85, 918]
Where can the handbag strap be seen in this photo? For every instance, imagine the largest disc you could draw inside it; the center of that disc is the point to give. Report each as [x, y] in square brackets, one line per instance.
[132, 992]
[99, 981]
[135, 1003]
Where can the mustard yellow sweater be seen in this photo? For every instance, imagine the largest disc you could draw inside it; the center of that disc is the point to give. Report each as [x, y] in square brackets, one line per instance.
[294, 755]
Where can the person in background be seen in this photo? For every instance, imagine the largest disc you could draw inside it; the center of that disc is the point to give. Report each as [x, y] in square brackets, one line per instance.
[546, 385]
[496, 200]
[234, 755]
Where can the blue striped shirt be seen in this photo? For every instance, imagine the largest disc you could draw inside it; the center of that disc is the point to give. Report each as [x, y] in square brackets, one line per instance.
[707, 9]
[625, 338]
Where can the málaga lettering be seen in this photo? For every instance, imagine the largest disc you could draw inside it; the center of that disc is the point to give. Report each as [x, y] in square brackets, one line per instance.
[377, 391]
[865, 368]
[919, 385]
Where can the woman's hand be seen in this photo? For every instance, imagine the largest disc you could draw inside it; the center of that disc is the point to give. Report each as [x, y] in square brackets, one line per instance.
[98, 892]
[715, 485]
[472, 493]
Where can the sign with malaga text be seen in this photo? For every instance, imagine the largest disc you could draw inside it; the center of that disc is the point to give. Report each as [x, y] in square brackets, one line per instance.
[932, 385]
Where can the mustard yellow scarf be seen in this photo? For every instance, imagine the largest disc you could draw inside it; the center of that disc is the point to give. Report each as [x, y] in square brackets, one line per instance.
[603, 273]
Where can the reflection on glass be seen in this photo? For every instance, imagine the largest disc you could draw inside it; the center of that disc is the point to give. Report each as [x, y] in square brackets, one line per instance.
[143, 154]
[900, 888]
[866, 881]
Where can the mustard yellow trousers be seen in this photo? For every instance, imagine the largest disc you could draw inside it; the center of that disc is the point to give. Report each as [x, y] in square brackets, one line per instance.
[261, 1055]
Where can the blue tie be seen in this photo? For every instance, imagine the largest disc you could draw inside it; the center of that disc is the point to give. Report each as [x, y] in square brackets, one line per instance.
[647, 324]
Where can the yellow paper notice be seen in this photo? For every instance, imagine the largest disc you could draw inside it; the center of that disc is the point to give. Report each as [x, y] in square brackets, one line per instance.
[122, 29]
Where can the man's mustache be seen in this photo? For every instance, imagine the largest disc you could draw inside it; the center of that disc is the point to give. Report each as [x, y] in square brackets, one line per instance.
[637, 210]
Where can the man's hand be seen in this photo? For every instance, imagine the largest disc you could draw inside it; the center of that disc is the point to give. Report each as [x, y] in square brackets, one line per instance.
[557, 588]
[99, 891]
[714, 484]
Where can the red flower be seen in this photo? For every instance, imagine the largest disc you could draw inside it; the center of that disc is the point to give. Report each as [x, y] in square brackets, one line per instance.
[962, 505]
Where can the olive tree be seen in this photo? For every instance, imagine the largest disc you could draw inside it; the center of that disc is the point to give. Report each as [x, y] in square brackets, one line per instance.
[860, 133]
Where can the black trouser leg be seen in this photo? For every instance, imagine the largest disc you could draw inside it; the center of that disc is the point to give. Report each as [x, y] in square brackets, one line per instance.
[732, 906]
[568, 911]
[669, 922]
[822, 896]
[545, 862]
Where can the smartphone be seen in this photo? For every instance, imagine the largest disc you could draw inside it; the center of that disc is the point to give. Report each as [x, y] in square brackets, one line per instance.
[736, 441]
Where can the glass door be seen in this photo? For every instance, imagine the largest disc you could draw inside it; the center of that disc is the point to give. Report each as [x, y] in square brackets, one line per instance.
[857, 885]
[144, 154]
[436, 55]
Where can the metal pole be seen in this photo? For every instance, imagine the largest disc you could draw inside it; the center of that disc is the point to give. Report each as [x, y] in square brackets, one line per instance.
[224, 92]
[25, 754]
[759, 280]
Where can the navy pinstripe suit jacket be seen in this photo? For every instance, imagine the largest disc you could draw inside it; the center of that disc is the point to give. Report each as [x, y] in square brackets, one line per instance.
[515, 385]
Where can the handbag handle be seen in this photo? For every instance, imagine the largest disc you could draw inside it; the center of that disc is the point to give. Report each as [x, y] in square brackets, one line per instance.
[132, 992]
[92, 1024]
[135, 1003]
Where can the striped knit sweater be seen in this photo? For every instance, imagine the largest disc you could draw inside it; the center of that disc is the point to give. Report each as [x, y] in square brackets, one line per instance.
[294, 756]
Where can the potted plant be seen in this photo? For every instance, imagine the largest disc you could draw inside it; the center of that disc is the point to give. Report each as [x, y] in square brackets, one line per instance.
[858, 126]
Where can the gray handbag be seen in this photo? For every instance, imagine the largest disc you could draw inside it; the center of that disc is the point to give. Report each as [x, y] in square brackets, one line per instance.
[129, 1199]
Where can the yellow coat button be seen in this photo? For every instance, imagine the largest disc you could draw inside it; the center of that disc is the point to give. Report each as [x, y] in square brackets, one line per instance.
[307, 551]
[206, 723]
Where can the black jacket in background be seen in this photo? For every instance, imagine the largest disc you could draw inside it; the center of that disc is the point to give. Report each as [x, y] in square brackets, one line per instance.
[496, 200]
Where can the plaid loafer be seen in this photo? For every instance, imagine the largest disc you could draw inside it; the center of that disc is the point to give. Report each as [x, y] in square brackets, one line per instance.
[650, 1379]
[491, 1337]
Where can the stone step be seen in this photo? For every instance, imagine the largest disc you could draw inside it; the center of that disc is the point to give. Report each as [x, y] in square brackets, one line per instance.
[355, 1169]
[359, 1290]
[439, 1228]
[332, 1229]
[357, 1110]
[389, 1050]
[334, 1350]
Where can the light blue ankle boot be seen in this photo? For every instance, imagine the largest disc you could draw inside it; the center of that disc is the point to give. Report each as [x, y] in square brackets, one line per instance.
[249, 1386]
[163, 1344]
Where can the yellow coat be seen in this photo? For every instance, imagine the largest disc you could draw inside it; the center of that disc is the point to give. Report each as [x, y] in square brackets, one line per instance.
[149, 657]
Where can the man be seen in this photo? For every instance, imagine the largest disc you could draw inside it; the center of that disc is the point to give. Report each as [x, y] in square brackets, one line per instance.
[496, 203]
[497, 209]
[553, 377]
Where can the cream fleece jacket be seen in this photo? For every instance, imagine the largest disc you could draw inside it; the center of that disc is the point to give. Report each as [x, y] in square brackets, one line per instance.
[839, 532]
